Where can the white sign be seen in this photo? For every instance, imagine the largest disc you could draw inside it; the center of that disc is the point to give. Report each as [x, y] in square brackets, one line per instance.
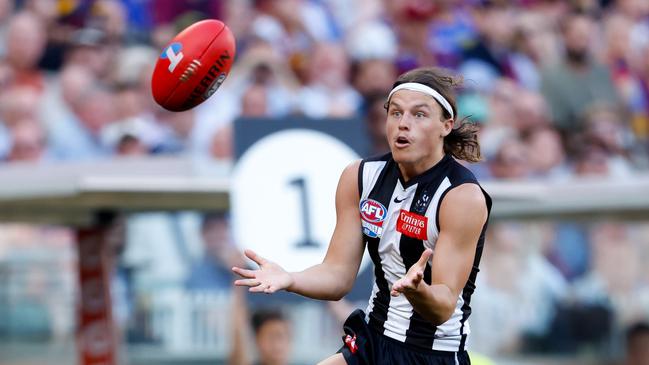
[283, 196]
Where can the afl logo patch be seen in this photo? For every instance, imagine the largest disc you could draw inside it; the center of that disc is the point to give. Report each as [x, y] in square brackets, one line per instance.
[372, 211]
[373, 214]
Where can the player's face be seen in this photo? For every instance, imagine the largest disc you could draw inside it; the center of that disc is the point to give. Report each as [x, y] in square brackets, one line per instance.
[416, 129]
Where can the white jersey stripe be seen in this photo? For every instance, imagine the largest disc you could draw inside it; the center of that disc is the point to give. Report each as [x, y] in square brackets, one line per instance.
[370, 306]
[432, 208]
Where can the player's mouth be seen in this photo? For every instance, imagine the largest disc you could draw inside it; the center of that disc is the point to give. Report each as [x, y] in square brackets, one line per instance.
[401, 142]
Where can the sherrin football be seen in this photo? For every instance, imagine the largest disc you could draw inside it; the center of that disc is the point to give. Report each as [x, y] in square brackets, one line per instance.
[193, 65]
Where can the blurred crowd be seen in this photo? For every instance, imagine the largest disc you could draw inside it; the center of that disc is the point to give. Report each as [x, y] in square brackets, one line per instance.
[558, 88]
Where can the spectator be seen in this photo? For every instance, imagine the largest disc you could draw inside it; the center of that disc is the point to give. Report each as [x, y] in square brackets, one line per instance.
[373, 76]
[90, 48]
[18, 103]
[521, 290]
[535, 36]
[28, 142]
[272, 334]
[375, 123]
[450, 31]
[602, 144]
[411, 19]
[328, 92]
[547, 157]
[615, 275]
[254, 103]
[494, 48]
[25, 44]
[578, 81]
[212, 271]
[281, 24]
[511, 162]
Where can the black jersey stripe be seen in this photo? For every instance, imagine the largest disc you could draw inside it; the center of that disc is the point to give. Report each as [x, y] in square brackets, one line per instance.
[360, 178]
[381, 192]
[420, 332]
[470, 286]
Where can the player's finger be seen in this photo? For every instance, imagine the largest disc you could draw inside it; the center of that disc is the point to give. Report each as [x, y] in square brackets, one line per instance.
[244, 272]
[257, 289]
[246, 282]
[398, 286]
[424, 257]
[418, 276]
[254, 257]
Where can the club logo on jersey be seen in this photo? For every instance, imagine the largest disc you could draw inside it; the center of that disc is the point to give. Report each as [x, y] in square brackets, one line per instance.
[373, 214]
[412, 225]
[174, 54]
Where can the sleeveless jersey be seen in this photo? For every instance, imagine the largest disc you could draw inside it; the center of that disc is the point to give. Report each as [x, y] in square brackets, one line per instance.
[399, 220]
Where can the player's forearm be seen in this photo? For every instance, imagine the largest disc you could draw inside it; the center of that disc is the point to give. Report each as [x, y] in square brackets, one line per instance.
[435, 303]
[323, 281]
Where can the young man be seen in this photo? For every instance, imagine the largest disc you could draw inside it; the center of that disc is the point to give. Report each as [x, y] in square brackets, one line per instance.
[403, 206]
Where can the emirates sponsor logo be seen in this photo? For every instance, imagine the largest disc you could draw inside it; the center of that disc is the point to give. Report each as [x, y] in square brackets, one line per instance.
[412, 225]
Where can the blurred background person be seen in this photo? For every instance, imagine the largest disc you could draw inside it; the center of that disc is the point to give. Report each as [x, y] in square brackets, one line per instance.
[213, 270]
[271, 333]
[579, 80]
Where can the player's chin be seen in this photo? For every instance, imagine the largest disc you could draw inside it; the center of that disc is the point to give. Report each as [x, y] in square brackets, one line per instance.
[402, 155]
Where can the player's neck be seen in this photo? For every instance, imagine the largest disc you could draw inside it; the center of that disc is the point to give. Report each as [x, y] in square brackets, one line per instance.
[410, 170]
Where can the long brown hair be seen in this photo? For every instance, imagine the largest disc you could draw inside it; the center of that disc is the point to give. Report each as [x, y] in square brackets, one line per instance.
[462, 142]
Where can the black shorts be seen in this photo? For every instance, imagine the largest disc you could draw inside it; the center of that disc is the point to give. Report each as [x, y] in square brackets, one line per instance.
[372, 348]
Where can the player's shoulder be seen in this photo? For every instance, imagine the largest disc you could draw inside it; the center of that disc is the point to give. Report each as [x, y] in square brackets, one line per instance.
[460, 174]
[467, 195]
[352, 168]
[347, 184]
[463, 205]
[466, 191]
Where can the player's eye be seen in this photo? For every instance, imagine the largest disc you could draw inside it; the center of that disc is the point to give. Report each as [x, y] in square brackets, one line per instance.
[420, 115]
[396, 113]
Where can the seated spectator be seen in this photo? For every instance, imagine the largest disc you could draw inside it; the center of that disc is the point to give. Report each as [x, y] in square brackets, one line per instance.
[28, 142]
[272, 334]
[547, 158]
[511, 161]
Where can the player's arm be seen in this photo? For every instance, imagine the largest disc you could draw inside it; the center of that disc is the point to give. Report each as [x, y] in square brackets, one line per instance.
[462, 215]
[335, 276]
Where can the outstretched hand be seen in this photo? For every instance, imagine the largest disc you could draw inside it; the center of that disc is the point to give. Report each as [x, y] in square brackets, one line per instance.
[269, 278]
[410, 282]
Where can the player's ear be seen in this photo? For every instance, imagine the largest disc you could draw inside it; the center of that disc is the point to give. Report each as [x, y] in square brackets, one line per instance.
[447, 127]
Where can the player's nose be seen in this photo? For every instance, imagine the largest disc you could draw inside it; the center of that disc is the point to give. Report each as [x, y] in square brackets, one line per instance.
[404, 122]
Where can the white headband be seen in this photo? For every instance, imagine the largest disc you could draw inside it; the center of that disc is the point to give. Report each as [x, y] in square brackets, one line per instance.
[415, 86]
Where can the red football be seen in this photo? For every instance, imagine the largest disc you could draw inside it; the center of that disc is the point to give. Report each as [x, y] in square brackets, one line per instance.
[193, 65]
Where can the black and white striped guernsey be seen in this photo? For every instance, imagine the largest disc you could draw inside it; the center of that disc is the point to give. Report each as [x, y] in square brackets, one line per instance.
[398, 221]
